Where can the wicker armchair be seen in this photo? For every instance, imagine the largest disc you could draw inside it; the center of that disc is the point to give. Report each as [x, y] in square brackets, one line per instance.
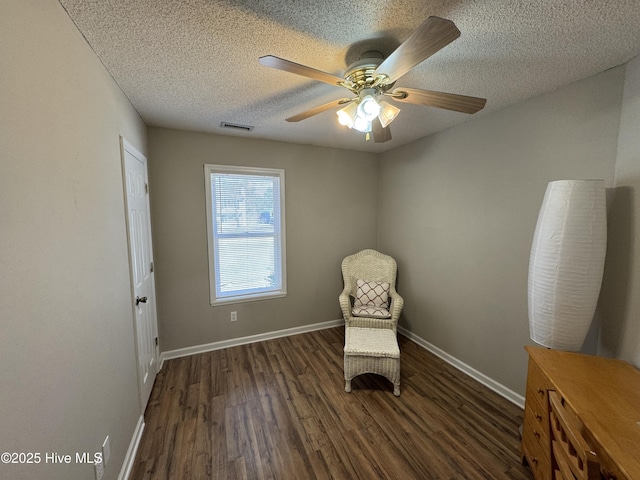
[371, 266]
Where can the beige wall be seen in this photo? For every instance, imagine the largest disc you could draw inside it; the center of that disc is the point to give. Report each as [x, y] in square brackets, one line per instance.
[67, 369]
[458, 211]
[331, 212]
[620, 300]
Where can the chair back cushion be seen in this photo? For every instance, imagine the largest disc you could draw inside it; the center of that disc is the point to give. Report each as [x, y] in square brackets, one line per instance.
[375, 294]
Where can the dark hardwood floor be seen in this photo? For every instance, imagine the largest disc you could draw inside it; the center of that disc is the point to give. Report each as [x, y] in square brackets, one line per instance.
[278, 410]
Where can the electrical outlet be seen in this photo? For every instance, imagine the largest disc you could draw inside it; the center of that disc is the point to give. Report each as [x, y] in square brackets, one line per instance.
[99, 470]
[234, 316]
[106, 450]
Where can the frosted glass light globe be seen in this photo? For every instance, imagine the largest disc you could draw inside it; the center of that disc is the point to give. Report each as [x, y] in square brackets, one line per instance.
[369, 108]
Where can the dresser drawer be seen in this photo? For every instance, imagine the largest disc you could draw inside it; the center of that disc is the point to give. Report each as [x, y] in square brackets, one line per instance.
[536, 441]
[537, 386]
[537, 414]
[536, 424]
[537, 458]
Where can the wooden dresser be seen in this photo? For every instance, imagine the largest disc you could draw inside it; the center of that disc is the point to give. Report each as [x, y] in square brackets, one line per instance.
[601, 394]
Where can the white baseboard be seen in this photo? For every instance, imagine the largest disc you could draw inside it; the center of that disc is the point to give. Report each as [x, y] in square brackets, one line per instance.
[500, 389]
[130, 457]
[208, 347]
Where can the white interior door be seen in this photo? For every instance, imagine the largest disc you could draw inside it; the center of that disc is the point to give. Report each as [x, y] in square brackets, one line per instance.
[141, 266]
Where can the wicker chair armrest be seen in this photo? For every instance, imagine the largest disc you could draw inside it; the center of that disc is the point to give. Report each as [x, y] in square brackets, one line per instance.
[345, 303]
[397, 302]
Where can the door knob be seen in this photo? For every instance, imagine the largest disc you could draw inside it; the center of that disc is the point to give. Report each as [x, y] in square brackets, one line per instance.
[141, 300]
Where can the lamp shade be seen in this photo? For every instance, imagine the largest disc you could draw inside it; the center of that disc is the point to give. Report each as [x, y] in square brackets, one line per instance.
[388, 113]
[567, 263]
[347, 115]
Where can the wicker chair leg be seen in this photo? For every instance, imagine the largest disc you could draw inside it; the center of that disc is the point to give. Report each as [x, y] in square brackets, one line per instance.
[347, 386]
[396, 389]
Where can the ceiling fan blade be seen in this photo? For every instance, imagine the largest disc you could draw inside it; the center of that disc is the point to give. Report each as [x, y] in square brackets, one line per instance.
[318, 109]
[292, 67]
[380, 134]
[448, 101]
[434, 33]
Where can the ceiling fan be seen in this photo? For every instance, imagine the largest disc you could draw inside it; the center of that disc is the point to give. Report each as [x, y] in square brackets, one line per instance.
[372, 80]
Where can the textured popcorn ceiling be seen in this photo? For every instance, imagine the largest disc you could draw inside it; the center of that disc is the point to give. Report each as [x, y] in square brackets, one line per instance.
[191, 64]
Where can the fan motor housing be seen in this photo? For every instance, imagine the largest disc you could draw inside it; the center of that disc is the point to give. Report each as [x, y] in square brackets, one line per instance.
[360, 72]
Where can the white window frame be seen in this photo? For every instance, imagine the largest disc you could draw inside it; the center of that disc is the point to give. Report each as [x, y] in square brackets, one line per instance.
[280, 257]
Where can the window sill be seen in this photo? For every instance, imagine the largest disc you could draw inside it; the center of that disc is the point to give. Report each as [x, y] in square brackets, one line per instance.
[248, 298]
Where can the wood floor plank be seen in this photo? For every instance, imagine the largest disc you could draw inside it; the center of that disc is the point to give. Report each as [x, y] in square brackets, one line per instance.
[202, 443]
[277, 410]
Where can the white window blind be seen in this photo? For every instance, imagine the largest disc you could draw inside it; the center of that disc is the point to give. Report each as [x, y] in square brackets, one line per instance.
[245, 226]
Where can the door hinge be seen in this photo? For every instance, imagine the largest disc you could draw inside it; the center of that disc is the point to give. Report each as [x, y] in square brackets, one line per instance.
[156, 339]
[146, 188]
[151, 267]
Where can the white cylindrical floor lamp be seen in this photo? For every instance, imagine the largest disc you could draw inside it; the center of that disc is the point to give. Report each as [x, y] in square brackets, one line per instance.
[567, 263]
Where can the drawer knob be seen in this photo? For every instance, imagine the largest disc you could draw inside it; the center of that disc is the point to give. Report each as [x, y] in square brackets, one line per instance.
[540, 391]
[534, 460]
[538, 416]
[536, 433]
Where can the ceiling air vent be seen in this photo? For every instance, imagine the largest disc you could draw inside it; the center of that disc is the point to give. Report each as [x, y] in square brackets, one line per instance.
[236, 126]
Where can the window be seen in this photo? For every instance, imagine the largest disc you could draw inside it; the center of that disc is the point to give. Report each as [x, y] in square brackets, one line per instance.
[245, 228]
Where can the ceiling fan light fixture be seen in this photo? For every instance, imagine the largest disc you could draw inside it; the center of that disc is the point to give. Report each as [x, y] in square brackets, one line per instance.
[388, 113]
[347, 115]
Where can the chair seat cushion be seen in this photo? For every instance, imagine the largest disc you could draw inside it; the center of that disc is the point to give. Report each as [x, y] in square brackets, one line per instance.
[371, 342]
[370, 311]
